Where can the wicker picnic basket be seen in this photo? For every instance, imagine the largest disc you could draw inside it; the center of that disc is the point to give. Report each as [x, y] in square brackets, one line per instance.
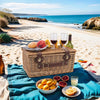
[48, 62]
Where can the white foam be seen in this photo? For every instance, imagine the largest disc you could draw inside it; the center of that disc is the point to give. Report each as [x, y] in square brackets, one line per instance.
[78, 26]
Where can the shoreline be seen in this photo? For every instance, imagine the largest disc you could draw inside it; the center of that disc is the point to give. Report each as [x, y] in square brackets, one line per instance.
[87, 45]
[73, 26]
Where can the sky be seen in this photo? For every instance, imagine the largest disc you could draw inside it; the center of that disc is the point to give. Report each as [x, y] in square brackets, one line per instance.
[52, 7]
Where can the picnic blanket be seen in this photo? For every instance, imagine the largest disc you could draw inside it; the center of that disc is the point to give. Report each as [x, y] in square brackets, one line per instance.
[22, 87]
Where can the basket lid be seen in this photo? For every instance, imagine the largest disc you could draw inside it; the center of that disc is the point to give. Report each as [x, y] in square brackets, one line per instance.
[52, 51]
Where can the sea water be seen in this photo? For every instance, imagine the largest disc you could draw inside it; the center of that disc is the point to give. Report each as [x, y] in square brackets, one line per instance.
[66, 20]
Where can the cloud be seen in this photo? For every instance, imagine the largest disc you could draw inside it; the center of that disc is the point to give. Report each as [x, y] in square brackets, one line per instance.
[30, 5]
[94, 5]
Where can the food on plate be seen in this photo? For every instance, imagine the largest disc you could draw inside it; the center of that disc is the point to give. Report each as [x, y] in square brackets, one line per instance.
[47, 43]
[44, 81]
[45, 87]
[57, 78]
[65, 78]
[71, 91]
[40, 86]
[52, 87]
[41, 44]
[62, 84]
[32, 45]
[47, 84]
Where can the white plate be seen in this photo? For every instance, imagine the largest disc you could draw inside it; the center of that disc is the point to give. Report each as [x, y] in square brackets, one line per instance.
[35, 49]
[76, 94]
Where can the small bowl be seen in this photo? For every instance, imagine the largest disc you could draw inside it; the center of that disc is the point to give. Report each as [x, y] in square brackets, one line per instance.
[65, 79]
[57, 78]
[45, 91]
[62, 84]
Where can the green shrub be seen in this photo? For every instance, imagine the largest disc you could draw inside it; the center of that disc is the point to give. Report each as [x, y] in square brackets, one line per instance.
[5, 38]
[3, 22]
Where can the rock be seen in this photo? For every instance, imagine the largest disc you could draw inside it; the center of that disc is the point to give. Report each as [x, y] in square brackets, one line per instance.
[33, 19]
[21, 17]
[3, 22]
[76, 24]
[38, 19]
[11, 19]
[92, 23]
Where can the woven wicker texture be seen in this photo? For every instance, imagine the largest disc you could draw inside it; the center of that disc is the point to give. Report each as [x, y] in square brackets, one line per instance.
[48, 62]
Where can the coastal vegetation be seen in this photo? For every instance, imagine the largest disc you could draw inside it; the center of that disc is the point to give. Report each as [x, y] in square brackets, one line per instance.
[9, 17]
[5, 19]
[92, 23]
[5, 38]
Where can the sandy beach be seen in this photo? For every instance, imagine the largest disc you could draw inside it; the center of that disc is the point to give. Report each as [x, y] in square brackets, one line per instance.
[86, 43]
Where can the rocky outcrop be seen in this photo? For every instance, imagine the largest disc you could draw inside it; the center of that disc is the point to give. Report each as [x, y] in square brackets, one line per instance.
[38, 19]
[3, 22]
[92, 23]
[22, 18]
[11, 19]
[34, 19]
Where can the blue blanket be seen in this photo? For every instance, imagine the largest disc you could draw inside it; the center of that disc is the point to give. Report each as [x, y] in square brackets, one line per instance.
[22, 87]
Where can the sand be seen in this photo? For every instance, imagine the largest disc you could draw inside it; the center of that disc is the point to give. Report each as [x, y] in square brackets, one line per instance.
[87, 44]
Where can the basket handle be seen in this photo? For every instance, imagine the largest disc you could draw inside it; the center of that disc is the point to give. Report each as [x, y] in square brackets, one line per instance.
[39, 59]
[66, 56]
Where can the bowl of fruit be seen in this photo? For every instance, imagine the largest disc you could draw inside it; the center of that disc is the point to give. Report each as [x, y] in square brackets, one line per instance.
[47, 85]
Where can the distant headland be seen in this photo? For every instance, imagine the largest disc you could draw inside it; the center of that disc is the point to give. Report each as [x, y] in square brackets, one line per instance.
[23, 14]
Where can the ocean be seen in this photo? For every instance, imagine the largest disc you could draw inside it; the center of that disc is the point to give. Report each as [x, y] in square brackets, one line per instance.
[74, 21]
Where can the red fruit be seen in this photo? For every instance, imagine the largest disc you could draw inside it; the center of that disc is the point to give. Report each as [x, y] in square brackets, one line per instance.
[65, 78]
[57, 78]
[62, 84]
[41, 44]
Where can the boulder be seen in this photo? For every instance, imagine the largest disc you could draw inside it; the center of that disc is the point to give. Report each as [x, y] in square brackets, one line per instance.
[38, 19]
[92, 23]
[3, 22]
[11, 19]
[21, 17]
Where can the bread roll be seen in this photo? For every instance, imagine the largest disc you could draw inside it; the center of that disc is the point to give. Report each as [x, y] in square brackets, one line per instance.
[32, 45]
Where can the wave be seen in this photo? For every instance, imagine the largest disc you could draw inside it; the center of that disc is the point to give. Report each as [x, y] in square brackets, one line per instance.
[76, 26]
